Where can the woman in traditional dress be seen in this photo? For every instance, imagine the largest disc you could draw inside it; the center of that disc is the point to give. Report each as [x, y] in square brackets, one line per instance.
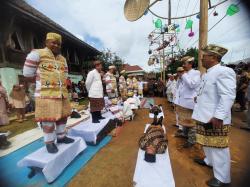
[18, 100]
[4, 120]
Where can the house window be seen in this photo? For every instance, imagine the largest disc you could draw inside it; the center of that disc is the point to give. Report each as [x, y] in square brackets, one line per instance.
[35, 43]
[76, 59]
[15, 41]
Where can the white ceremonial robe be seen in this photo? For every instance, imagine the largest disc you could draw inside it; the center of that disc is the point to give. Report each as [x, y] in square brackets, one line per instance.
[215, 99]
[175, 101]
[94, 84]
[188, 87]
[171, 90]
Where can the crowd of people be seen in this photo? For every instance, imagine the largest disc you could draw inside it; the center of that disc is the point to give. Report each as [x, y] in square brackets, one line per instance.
[202, 102]
[116, 89]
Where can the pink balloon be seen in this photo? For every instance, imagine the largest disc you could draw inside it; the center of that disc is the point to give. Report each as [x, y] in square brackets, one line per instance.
[191, 34]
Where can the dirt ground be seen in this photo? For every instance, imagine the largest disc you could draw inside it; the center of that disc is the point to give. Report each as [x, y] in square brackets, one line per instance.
[114, 165]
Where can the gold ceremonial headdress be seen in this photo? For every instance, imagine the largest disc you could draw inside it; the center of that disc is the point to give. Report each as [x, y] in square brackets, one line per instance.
[215, 49]
[112, 67]
[180, 69]
[122, 72]
[187, 59]
[54, 36]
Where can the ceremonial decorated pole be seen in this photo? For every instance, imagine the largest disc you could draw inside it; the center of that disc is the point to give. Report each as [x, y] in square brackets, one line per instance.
[164, 60]
[203, 30]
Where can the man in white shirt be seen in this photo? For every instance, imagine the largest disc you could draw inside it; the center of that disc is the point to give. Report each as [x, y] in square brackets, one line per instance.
[212, 112]
[189, 83]
[95, 90]
[171, 86]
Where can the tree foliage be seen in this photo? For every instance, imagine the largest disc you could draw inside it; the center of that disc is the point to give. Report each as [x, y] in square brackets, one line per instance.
[108, 58]
[172, 67]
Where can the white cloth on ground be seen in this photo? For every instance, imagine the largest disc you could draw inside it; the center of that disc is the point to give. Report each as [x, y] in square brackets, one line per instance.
[220, 160]
[88, 130]
[158, 174]
[53, 164]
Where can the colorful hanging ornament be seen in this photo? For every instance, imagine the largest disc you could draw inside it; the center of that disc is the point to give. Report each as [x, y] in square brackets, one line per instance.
[198, 16]
[232, 9]
[171, 28]
[178, 30]
[176, 26]
[189, 24]
[146, 12]
[191, 34]
[158, 23]
[165, 28]
[215, 13]
[149, 51]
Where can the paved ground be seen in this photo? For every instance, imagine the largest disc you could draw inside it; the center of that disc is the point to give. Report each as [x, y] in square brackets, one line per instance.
[114, 165]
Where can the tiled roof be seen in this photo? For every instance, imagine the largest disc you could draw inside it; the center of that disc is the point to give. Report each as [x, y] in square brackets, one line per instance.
[134, 68]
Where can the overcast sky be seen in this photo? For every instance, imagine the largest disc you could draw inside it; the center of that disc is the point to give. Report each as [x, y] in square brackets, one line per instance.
[101, 23]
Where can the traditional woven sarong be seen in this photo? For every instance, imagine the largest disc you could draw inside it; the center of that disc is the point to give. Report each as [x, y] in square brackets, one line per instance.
[217, 138]
[185, 116]
[155, 137]
[96, 104]
[50, 110]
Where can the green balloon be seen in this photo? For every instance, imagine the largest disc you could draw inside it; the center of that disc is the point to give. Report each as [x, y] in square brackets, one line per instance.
[232, 9]
[158, 24]
[189, 24]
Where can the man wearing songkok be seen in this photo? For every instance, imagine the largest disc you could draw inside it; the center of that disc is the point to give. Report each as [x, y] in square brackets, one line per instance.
[212, 112]
[95, 92]
[122, 84]
[188, 88]
[50, 70]
[130, 86]
[111, 85]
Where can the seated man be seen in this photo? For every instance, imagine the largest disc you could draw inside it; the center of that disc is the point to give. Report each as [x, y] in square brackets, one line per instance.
[154, 141]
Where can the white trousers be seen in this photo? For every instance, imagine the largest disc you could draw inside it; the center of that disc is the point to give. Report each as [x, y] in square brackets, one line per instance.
[219, 159]
[53, 130]
[177, 121]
